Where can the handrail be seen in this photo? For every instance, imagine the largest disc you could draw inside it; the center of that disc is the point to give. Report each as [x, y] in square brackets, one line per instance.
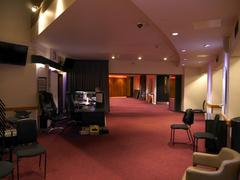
[217, 106]
[22, 108]
[213, 106]
[228, 120]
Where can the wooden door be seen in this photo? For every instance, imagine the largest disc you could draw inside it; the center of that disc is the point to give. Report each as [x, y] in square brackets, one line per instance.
[117, 87]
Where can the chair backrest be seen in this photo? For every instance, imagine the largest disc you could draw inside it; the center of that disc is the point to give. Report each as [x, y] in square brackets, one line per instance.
[188, 117]
[47, 104]
[26, 131]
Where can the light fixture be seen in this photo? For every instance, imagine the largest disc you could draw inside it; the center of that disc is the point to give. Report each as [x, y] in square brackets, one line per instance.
[174, 33]
[113, 57]
[206, 45]
[183, 50]
[185, 59]
[139, 57]
[165, 58]
[34, 8]
[202, 55]
[52, 68]
[183, 64]
[40, 65]
[42, 61]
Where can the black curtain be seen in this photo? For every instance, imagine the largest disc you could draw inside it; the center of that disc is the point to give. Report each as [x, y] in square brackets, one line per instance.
[178, 92]
[86, 75]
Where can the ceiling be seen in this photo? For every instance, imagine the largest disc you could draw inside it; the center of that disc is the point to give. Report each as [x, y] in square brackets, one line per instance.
[99, 29]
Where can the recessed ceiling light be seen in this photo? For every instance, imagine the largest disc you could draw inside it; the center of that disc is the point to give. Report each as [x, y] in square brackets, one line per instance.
[34, 8]
[206, 45]
[175, 34]
[185, 59]
[113, 57]
[202, 55]
[139, 57]
[165, 58]
[183, 50]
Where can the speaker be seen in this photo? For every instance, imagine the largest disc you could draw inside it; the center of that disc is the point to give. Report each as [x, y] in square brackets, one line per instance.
[235, 140]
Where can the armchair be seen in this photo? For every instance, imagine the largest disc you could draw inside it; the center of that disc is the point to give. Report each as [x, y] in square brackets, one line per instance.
[227, 164]
[49, 111]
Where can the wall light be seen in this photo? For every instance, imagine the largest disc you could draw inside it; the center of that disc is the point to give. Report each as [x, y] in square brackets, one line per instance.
[40, 65]
[52, 68]
[34, 8]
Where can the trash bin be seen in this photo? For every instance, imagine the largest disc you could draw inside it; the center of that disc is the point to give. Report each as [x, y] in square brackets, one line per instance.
[235, 138]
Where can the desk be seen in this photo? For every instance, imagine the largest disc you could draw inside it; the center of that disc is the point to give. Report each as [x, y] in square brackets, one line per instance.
[221, 132]
[89, 116]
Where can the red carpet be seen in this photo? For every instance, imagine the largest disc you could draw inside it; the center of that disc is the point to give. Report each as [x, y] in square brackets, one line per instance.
[136, 148]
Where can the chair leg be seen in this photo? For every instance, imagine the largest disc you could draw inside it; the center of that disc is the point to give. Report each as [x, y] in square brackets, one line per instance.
[45, 166]
[12, 174]
[190, 134]
[194, 144]
[40, 159]
[173, 136]
[17, 168]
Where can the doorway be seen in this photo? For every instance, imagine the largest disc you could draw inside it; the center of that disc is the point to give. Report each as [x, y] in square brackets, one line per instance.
[169, 90]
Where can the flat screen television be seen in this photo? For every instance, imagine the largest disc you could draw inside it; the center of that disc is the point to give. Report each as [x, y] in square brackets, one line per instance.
[13, 53]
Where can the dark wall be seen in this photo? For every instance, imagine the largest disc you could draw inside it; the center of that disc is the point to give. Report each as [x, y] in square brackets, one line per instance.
[86, 75]
[178, 92]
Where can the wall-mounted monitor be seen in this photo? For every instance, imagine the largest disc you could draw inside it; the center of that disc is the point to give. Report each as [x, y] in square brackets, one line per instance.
[13, 53]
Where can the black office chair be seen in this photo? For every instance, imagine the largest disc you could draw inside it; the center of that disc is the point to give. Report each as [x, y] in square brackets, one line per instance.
[27, 143]
[49, 111]
[207, 135]
[6, 167]
[188, 120]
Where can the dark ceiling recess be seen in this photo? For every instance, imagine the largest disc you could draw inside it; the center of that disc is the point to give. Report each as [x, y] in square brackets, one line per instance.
[36, 2]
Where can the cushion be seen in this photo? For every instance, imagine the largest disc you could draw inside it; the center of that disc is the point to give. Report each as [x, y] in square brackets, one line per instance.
[30, 150]
[204, 135]
[179, 126]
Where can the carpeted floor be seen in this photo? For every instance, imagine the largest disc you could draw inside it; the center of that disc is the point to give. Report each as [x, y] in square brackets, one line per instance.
[136, 148]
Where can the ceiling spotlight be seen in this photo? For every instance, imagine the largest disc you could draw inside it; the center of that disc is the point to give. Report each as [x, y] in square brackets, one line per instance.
[165, 58]
[34, 8]
[207, 45]
[113, 57]
[175, 34]
[183, 50]
[139, 57]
